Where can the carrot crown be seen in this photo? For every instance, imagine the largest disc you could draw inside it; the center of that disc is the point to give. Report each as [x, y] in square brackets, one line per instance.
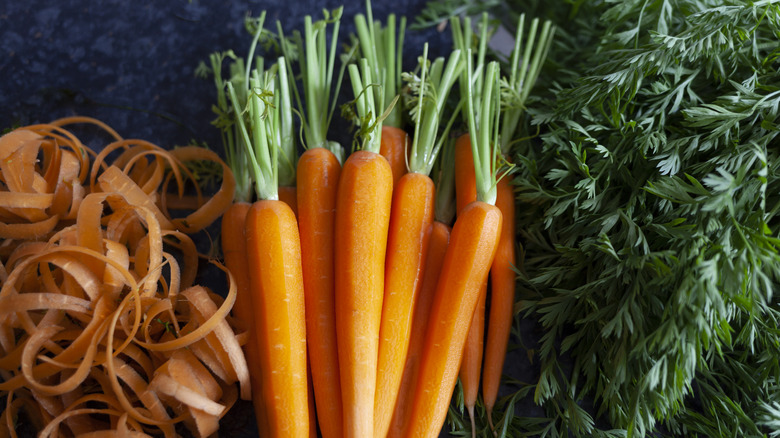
[317, 61]
[383, 47]
[366, 106]
[262, 124]
[430, 92]
[479, 84]
[526, 64]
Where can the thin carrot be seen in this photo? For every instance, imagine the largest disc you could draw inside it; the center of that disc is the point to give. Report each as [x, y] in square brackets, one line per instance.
[467, 262]
[317, 182]
[274, 257]
[466, 192]
[410, 225]
[437, 247]
[395, 143]
[382, 47]
[525, 69]
[362, 219]
[502, 299]
[233, 235]
[466, 265]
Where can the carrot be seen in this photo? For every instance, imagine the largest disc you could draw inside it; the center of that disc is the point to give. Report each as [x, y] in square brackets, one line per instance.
[234, 225]
[289, 195]
[437, 247]
[318, 176]
[395, 142]
[274, 258]
[502, 299]
[317, 182]
[273, 250]
[467, 262]
[465, 182]
[466, 192]
[362, 219]
[525, 69]
[234, 251]
[411, 220]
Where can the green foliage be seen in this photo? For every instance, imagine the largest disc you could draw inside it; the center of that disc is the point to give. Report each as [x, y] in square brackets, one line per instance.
[649, 218]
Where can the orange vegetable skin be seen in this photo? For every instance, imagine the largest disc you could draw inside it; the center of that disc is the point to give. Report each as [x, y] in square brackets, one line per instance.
[502, 298]
[318, 175]
[411, 219]
[362, 219]
[395, 143]
[465, 194]
[437, 247]
[289, 195]
[274, 255]
[471, 365]
[466, 265]
[233, 239]
[465, 180]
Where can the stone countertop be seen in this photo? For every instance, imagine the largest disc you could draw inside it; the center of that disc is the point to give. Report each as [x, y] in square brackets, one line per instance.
[132, 64]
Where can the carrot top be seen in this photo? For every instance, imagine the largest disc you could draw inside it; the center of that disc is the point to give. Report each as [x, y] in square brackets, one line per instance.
[240, 72]
[525, 66]
[262, 123]
[430, 92]
[365, 107]
[383, 49]
[317, 61]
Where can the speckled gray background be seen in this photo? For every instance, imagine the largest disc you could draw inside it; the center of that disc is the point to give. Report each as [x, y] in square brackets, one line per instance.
[131, 64]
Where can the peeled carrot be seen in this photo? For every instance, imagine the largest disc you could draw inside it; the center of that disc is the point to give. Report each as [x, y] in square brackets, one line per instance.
[437, 247]
[465, 182]
[471, 367]
[466, 264]
[362, 219]
[233, 241]
[395, 142]
[318, 176]
[289, 195]
[502, 298]
[411, 220]
[273, 250]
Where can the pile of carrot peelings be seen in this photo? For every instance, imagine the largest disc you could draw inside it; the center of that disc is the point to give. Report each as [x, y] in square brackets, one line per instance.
[102, 329]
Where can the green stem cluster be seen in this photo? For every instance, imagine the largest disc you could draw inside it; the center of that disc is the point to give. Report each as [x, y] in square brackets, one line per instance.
[382, 47]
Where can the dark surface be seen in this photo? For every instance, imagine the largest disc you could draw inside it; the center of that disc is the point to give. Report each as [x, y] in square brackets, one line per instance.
[131, 64]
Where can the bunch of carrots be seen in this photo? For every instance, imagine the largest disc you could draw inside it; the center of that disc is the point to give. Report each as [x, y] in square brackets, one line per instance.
[364, 300]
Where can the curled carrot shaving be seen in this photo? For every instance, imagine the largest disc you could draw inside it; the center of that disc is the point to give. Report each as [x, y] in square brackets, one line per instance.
[102, 329]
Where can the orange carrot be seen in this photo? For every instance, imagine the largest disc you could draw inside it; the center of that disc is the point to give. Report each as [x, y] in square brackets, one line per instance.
[273, 250]
[437, 247]
[362, 219]
[471, 367]
[318, 175]
[407, 248]
[466, 264]
[233, 241]
[409, 233]
[289, 195]
[395, 142]
[465, 182]
[502, 298]
[274, 260]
